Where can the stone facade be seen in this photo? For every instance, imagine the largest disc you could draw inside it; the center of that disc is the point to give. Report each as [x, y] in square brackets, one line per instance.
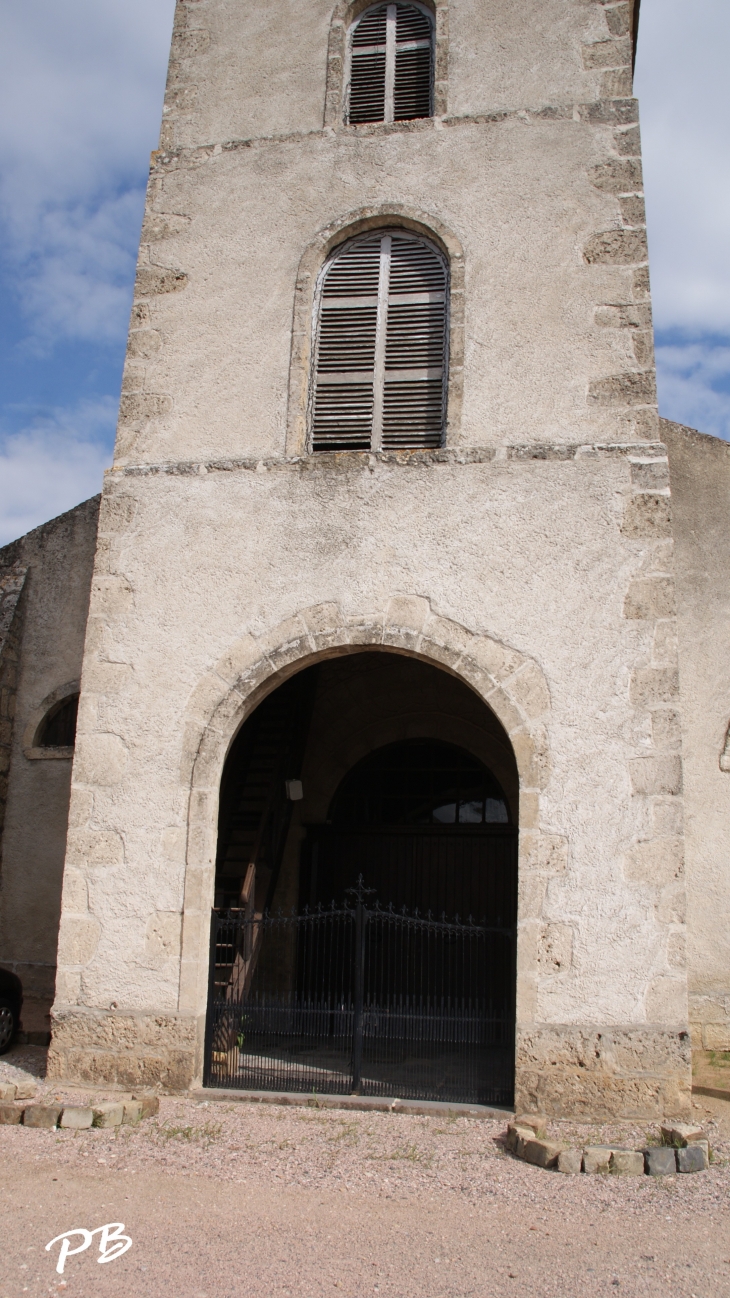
[529, 561]
[45, 580]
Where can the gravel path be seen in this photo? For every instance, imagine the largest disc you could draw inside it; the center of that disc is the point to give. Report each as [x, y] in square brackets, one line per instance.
[241, 1199]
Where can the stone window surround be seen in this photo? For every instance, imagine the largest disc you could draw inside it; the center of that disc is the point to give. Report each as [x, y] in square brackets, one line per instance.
[342, 20]
[31, 749]
[303, 322]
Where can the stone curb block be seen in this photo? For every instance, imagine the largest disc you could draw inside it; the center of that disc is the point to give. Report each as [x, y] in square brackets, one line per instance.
[10, 1115]
[660, 1161]
[41, 1115]
[77, 1118]
[150, 1105]
[691, 1159]
[108, 1115]
[7, 1091]
[626, 1162]
[25, 1090]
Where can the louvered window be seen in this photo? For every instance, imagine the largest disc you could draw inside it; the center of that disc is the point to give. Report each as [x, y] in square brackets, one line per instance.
[380, 352]
[391, 65]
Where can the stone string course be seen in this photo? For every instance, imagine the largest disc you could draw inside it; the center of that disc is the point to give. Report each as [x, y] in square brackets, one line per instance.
[685, 1148]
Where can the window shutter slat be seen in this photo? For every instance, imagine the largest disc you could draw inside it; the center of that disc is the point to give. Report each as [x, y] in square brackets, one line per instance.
[382, 315]
[412, 96]
[391, 65]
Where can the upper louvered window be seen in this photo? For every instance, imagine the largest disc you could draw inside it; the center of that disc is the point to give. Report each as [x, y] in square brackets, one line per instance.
[381, 346]
[391, 65]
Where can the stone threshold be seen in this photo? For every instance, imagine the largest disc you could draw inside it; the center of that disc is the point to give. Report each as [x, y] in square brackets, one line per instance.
[360, 1103]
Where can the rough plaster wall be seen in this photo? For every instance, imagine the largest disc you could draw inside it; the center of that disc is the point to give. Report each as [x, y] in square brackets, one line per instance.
[700, 472]
[546, 204]
[548, 555]
[58, 559]
[239, 71]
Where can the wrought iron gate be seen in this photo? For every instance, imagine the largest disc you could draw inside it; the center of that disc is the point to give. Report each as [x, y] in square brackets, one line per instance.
[361, 999]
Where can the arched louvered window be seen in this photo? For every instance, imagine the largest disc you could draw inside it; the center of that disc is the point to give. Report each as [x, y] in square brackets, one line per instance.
[381, 345]
[391, 64]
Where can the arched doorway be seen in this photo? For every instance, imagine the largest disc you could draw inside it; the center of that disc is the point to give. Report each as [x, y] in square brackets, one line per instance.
[366, 889]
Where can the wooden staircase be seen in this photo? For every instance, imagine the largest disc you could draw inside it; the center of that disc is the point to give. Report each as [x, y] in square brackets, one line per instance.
[255, 814]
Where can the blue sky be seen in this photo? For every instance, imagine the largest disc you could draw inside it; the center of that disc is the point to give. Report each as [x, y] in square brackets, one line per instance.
[81, 85]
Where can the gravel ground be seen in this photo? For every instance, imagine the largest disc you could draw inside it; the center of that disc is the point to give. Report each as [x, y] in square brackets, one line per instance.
[227, 1198]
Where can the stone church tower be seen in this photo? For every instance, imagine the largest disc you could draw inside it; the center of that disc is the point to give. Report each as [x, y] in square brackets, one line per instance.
[389, 412]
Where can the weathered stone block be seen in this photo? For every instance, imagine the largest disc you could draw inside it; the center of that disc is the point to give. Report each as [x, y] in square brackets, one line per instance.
[132, 1113]
[596, 1158]
[628, 142]
[150, 1105]
[10, 1114]
[25, 1089]
[77, 1118]
[660, 1162]
[7, 1091]
[158, 279]
[616, 248]
[681, 1133]
[517, 1138]
[626, 1162]
[653, 685]
[41, 1115]
[691, 1159]
[607, 54]
[647, 514]
[570, 1161]
[537, 1122]
[108, 1115]
[618, 19]
[656, 775]
[650, 598]
[633, 388]
[542, 1153]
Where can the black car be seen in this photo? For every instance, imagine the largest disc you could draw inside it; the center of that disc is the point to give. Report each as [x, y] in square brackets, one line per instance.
[11, 1000]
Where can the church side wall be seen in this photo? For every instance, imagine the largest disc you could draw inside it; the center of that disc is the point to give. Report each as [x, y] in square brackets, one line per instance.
[700, 472]
[49, 627]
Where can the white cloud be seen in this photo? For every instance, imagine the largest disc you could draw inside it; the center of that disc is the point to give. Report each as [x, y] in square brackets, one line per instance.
[681, 82]
[51, 465]
[81, 88]
[688, 377]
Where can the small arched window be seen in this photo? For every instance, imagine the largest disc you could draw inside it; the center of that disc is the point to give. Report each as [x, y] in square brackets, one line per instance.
[391, 64]
[58, 727]
[381, 345]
